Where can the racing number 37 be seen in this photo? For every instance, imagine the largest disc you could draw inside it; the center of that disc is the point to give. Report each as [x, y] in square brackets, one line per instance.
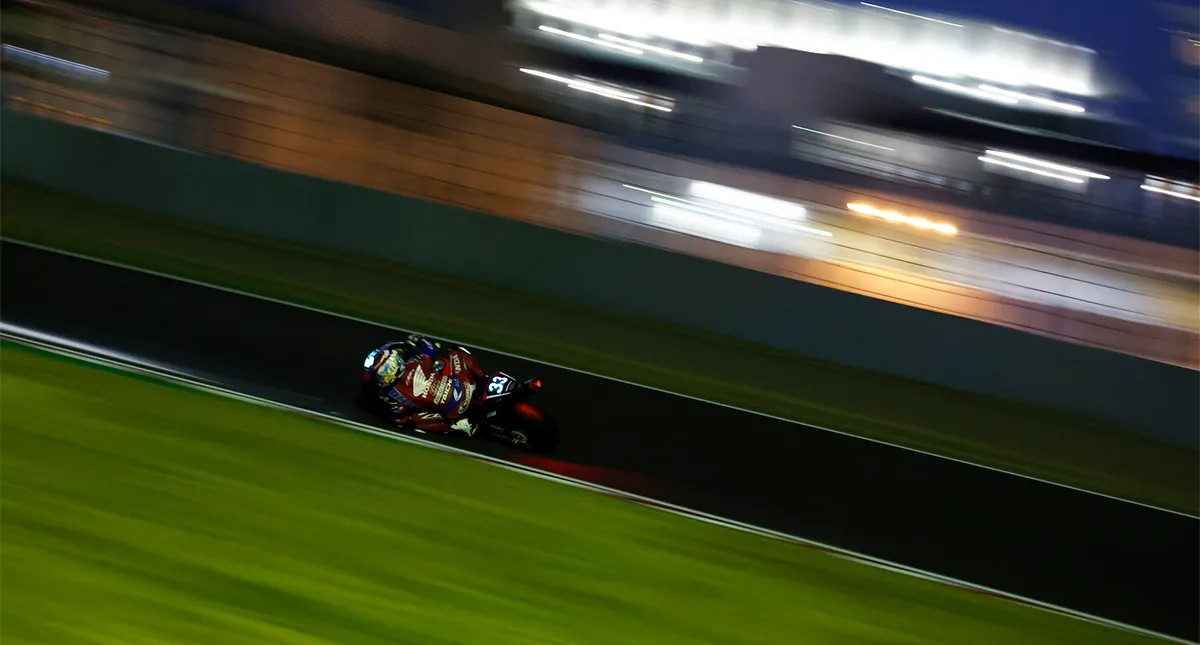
[497, 385]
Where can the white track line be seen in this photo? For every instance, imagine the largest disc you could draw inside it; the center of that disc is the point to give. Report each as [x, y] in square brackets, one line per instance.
[585, 372]
[127, 363]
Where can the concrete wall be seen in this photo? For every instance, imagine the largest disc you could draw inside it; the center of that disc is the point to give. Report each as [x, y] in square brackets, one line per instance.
[1157, 399]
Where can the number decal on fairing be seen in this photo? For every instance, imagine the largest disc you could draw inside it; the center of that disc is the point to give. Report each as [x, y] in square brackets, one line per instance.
[497, 385]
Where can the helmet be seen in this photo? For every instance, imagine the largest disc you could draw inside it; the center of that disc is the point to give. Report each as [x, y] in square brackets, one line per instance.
[389, 368]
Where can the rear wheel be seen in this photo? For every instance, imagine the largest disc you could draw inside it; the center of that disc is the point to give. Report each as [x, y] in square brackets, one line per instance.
[528, 428]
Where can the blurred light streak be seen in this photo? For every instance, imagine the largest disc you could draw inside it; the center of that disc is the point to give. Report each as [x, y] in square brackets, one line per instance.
[589, 39]
[593, 88]
[1172, 193]
[748, 218]
[912, 15]
[893, 216]
[658, 50]
[547, 75]
[1043, 173]
[963, 89]
[711, 228]
[1020, 96]
[648, 191]
[1070, 170]
[748, 201]
[612, 94]
[54, 62]
[826, 134]
[739, 216]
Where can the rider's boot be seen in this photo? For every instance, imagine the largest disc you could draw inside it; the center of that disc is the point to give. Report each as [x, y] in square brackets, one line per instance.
[463, 425]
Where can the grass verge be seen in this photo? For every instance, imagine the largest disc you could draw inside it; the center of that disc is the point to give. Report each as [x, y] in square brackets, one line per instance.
[1029, 440]
[137, 511]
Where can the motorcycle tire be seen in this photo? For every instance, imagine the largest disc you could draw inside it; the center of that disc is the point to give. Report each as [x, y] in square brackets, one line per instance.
[529, 428]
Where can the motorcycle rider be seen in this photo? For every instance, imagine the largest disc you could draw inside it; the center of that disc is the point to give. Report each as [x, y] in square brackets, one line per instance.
[433, 390]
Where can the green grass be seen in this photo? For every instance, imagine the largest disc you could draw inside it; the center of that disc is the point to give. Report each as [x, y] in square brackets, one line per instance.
[1034, 441]
[141, 512]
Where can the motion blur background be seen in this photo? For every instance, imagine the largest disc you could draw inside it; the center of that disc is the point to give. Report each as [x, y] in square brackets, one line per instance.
[967, 233]
[944, 162]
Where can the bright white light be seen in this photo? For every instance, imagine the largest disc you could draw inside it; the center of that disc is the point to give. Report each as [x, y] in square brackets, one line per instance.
[370, 360]
[612, 94]
[1068, 107]
[547, 75]
[1044, 173]
[736, 215]
[652, 48]
[826, 134]
[806, 229]
[748, 201]
[912, 15]
[962, 89]
[768, 222]
[1172, 193]
[1046, 164]
[707, 227]
[592, 88]
[587, 39]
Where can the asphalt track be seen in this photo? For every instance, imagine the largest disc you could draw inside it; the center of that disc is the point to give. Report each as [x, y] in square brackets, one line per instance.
[1093, 554]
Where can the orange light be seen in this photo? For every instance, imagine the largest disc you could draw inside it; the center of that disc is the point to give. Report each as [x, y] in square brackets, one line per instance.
[893, 216]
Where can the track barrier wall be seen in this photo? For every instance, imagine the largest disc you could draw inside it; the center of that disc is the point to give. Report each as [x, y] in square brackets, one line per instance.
[1157, 399]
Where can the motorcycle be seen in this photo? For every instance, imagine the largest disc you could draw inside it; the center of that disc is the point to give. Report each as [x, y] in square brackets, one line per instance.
[500, 408]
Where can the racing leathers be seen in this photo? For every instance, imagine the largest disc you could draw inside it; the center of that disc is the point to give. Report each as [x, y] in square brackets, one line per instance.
[429, 388]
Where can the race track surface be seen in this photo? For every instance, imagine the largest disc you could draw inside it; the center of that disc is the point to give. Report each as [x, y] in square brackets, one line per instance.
[1102, 556]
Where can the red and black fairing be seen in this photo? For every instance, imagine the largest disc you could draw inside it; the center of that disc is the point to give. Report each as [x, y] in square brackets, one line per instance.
[436, 391]
[499, 405]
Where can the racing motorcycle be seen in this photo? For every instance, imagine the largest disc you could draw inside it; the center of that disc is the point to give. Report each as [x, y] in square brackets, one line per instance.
[500, 407]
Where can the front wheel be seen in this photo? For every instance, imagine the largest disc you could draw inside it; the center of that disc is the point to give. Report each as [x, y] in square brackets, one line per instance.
[527, 427]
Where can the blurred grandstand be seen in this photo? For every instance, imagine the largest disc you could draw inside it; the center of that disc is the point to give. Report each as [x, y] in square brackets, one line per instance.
[752, 69]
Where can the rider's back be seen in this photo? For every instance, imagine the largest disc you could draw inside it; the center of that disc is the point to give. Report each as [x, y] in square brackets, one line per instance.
[444, 384]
